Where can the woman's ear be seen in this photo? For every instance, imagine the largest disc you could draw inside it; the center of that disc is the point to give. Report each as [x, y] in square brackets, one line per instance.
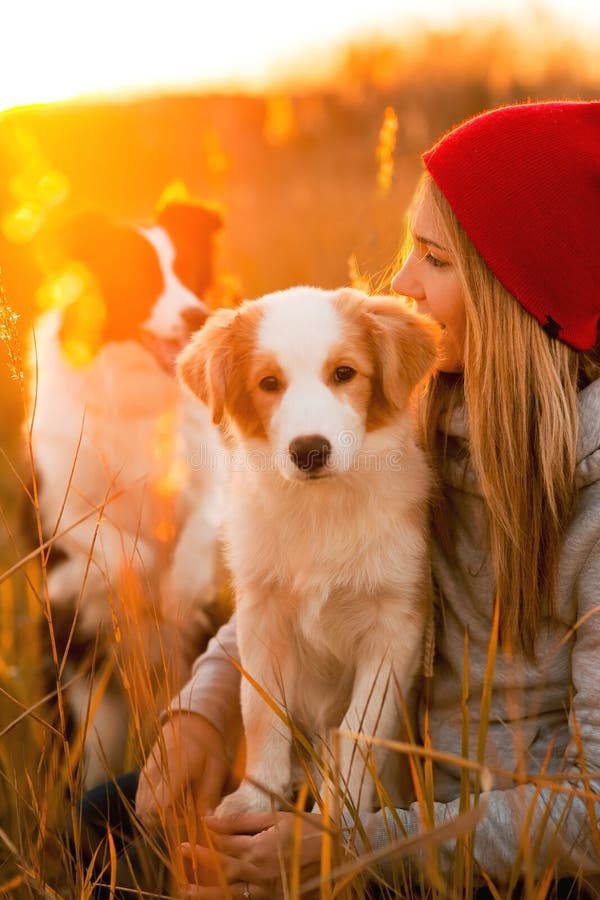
[204, 366]
[406, 349]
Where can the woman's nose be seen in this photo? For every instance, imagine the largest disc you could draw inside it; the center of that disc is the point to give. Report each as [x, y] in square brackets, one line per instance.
[404, 281]
[397, 281]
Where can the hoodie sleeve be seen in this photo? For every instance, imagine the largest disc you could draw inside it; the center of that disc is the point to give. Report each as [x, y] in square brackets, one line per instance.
[536, 827]
[213, 689]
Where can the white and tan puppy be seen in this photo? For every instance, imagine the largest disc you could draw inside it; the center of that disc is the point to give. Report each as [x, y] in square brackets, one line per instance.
[326, 522]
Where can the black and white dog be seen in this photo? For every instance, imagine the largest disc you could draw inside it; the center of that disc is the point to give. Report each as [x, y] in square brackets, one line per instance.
[129, 467]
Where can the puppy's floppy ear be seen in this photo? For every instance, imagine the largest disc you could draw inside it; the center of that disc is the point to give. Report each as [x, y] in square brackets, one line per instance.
[192, 227]
[407, 346]
[205, 365]
[125, 266]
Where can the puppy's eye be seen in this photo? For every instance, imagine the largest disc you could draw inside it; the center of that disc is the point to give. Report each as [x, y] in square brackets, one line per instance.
[269, 384]
[344, 373]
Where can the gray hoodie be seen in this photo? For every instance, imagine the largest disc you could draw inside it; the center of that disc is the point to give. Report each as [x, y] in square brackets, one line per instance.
[537, 709]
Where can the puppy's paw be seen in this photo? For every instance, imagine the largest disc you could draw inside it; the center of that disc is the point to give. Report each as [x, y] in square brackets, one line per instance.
[247, 799]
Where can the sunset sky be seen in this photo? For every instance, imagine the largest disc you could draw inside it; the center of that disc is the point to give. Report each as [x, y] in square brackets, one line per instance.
[67, 48]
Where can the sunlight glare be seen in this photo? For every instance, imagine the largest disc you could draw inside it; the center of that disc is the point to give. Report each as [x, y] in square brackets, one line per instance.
[66, 48]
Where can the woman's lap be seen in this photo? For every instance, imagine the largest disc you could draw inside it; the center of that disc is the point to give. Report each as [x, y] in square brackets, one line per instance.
[110, 807]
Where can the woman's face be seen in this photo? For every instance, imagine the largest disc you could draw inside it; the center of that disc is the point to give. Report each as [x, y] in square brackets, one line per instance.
[430, 278]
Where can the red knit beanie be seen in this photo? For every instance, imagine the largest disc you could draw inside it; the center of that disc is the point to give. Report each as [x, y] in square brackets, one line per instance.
[524, 183]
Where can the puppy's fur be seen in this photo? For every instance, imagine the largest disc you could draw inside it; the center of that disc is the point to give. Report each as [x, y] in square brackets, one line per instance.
[130, 489]
[325, 524]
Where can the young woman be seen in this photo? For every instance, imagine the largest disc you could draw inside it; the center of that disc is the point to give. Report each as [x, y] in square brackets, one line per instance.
[504, 253]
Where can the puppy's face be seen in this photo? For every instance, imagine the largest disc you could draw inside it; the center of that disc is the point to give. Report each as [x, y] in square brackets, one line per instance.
[305, 375]
[177, 312]
[150, 279]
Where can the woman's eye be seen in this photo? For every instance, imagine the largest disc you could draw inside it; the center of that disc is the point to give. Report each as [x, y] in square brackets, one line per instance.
[344, 373]
[434, 261]
[269, 384]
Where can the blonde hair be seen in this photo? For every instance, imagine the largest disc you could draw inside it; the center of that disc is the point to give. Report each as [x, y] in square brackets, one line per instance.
[519, 388]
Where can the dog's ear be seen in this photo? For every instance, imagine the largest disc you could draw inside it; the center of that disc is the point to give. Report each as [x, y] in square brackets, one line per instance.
[192, 228]
[205, 365]
[407, 347]
[126, 269]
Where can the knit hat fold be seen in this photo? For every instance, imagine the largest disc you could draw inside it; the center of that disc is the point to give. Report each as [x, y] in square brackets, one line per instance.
[524, 183]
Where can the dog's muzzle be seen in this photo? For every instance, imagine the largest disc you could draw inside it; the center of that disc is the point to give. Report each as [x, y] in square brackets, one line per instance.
[165, 349]
[194, 317]
[310, 452]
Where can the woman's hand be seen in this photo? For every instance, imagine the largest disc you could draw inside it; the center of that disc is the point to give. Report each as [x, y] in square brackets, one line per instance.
[190, 753]
[249, 856]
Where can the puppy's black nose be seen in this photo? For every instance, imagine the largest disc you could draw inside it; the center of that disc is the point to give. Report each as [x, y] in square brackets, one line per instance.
[310, 452]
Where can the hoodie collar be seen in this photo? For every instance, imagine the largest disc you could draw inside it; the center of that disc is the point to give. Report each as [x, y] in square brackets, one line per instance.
[588, 443]
[459, 471]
